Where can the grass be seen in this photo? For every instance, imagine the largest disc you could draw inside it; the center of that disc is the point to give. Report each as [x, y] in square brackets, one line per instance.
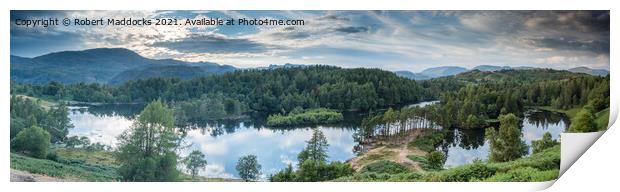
[422, 160]
[43, 103]
[380, 155]
[427, 141]
[602, 119]
[105, 158]
[384, 166]
[84, 165]
[570, 113]
[73, 169]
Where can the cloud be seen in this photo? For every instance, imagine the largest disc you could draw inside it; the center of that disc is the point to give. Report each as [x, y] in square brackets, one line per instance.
[212, 43]
[391, 40]
[561, 43]
[352, 29]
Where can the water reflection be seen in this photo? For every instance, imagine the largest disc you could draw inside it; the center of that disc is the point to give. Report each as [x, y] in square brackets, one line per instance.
[464, 146]
[223, 142]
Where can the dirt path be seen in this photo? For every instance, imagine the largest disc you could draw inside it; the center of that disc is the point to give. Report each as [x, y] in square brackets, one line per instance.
[23, 176]
[396, 151]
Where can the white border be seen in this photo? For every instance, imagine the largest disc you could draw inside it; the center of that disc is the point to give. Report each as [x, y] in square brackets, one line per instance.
[597, 168]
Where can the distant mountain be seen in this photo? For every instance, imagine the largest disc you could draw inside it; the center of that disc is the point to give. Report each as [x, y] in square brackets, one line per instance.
[443, 71]
[94, 65]
[598, 72]
[412, 75]
[286, 65]
[490, 68]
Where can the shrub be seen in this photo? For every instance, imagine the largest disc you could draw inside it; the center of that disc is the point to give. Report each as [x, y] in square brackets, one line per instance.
[385, 166]
[525, 174]
[473, 172]
[33, 141]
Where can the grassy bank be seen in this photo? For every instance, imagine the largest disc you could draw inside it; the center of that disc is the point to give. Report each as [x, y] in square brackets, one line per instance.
[543, 166]
[84, 165]
[72, 169]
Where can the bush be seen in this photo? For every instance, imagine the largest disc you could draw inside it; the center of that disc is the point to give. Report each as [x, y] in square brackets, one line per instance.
[385, 166]
[525, 174]
[436, 160]
[476, 171]
[33, 141]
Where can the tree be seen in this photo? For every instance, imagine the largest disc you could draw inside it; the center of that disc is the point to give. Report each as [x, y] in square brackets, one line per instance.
[584, 122]
[506, 144]
[436, 160]
[546, 142]
[248, 168]
[316, 148]
[33, 141]
[146, 151]
[194, 162]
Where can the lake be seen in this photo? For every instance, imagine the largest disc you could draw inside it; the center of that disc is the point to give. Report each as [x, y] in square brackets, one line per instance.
[225, 141]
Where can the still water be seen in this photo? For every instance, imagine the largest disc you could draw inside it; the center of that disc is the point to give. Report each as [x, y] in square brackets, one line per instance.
[224, 142]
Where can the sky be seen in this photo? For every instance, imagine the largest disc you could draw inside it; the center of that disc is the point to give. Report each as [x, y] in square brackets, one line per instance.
[390, 40]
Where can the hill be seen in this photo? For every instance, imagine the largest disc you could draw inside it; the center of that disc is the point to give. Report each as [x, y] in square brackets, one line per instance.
[90, 66]
[443, 71]
[180, 71]
[490, 68]
[412, 75]
[597, 72]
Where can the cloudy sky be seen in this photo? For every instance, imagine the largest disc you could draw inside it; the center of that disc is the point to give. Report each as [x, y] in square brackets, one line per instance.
[392, 40]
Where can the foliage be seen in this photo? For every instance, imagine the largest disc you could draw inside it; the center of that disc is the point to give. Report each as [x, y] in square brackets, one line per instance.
[436, 160]
[146, 150]
[33, 141]
[194, 162]
[316, 148]
[584, 122]
[207, 107]
[506, 144]
[285, 175]
[384, 166]
[313, 164]
[273, 90]
[26, 112]
[305, 117]
[544, 143]
[525, 174]
[248, 168]
[312, 170]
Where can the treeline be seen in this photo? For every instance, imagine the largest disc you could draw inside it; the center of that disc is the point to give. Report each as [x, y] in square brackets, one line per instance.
[206, 108]
[277, 90]
[26, 112]
[478, 98]
[396, 123]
